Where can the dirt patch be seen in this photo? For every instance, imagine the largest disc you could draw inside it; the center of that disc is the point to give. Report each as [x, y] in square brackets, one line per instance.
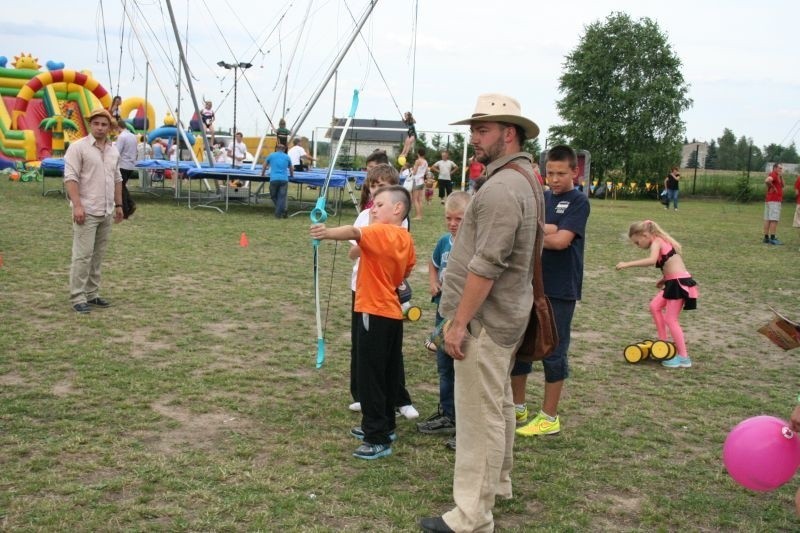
[200, 431]
[12, 379]
[142, 345]
[65, 387]
[222, 329]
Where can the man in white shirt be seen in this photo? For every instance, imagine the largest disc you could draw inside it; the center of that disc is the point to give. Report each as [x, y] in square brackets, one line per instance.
[298, 154]
[93, 183]
[238, 151]
[446, 169]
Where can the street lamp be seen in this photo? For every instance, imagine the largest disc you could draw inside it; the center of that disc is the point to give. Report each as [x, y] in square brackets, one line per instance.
[235, 67]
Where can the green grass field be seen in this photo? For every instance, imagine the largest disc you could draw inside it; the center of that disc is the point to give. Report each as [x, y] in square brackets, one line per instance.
[193, 403]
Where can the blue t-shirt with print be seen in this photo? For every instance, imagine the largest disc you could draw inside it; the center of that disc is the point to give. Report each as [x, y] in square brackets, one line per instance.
[562, 270]
[439, 259]
[279, 164]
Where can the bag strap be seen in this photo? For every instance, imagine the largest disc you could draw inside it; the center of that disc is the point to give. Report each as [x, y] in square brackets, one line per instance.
[538, 283]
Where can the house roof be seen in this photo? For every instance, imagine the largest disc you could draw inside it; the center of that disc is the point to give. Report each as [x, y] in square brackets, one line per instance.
[370, 135]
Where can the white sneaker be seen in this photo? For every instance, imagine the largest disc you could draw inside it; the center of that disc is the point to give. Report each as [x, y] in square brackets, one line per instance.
[355, 407]
[409, 412]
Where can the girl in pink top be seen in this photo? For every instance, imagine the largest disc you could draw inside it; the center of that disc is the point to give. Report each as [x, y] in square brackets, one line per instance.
[677, 288]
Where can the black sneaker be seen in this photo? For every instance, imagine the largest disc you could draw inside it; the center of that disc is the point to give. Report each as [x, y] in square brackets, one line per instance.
[82, 308]
[372, 451]
[99, 302]
[435, 524]
[438, 424]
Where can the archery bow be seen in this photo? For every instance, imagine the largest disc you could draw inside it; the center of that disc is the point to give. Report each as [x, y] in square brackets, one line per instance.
[319, 215]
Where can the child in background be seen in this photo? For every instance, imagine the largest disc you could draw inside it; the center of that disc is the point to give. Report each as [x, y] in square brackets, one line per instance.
[678, 289]
[411, 139]
[429, 183]
[387, 258]
[379, 175]
[220, 156]
[207, 116]
[419, 172]
[405, 176]
[443, 421]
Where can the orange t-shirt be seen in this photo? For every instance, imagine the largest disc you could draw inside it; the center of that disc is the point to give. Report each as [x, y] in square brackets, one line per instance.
[387, 257]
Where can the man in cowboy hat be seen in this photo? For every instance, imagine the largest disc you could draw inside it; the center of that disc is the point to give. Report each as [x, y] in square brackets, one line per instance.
[94, 186]
[487, 298]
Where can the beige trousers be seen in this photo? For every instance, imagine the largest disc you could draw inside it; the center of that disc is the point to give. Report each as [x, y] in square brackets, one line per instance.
[485, 434]
[89, 243]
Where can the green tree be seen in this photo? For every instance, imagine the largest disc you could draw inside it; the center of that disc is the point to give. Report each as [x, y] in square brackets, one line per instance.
[773, 153]
[790, 154]
[726, 151]
[533, 147]
[711, 155]
[623, 96]
[692, 163]
[744, 153]
[757, 161]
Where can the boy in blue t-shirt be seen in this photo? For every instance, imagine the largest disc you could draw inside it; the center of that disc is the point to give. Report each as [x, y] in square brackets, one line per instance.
[566, 214]
[280, 170]
[443, 421]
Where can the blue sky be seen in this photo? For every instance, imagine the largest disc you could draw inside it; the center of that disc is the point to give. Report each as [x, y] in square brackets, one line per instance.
[739, 58]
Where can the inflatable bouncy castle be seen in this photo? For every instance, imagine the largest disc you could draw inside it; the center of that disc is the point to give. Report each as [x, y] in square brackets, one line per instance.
[42, 110]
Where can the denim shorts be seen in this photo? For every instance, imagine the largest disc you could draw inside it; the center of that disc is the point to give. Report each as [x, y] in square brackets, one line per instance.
[556, 365]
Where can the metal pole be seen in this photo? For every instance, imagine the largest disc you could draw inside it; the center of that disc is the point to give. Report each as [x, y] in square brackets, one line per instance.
[335, 84]
[332, 70]
[696, 164]
[147, 125]
[189, 82]
[749, 160]
[233, 142]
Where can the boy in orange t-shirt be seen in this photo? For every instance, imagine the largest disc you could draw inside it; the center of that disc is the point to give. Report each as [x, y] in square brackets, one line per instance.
[387, 258]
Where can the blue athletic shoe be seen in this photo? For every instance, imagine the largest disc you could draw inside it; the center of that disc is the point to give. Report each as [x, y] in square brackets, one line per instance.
[679, 361]
[372, 451]
[775, 241]
[358, 433]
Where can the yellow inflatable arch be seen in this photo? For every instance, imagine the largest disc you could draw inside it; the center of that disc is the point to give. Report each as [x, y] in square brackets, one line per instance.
[132, 104]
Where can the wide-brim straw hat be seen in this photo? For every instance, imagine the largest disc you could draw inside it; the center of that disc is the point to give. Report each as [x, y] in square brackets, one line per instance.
[494, 107]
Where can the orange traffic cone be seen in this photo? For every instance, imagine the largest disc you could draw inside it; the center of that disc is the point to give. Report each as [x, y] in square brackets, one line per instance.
[243, 242]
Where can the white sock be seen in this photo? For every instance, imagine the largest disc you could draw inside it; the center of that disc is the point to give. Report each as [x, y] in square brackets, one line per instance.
[548, 417]
[519, 407]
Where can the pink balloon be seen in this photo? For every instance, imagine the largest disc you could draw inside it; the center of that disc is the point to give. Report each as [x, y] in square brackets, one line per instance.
[762, 453]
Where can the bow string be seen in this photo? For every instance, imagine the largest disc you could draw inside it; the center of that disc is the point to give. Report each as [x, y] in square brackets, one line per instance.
[319, 215]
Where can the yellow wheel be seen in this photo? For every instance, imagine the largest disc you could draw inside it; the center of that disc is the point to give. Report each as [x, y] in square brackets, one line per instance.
[645, 347]
[633, 353]
[672, 351]
[662, 350]
[414, 313]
